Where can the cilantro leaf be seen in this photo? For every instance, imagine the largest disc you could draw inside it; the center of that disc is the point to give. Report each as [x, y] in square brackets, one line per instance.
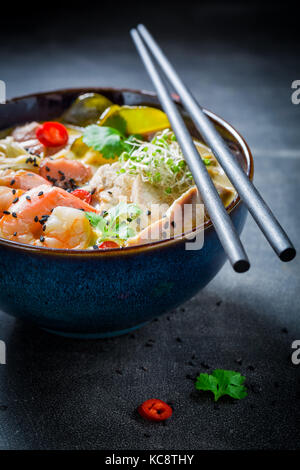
[115, 223]
[223, 382]
[206, 161]
[94, 219]
[117, 122]
[110, 142]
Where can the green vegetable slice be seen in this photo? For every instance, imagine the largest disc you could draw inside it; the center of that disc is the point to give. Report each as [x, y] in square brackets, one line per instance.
[86, 109]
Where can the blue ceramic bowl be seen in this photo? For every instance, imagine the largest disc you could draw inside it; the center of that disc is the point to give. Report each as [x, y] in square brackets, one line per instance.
[101, 294]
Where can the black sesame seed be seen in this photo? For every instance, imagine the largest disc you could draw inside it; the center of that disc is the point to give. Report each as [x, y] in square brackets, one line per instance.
[47, 168]
[42, 239]
[36, 219]
[148, 212]
[12, 182]
[44, 228]
[204, 365]
[15, 200]
[14, 191]
[28, 198]
[6, 212]
[14, 215]
[40, 193]
[173, 224]
[15, 234]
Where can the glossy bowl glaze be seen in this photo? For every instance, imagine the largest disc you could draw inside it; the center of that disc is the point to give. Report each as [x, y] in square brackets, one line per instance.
[100, 294]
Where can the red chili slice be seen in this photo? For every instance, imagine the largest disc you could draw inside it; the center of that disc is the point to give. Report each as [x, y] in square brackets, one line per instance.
[52, 134]
[83, 195]
[155, 410]
[108, 244]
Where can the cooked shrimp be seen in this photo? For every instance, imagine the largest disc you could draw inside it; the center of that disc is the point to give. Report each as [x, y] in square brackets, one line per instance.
[8, 196]
[64, 172]
[68, 228]
[21, 179]
[27, 217]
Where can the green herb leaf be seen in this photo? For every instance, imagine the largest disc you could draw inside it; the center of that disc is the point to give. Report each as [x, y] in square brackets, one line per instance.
[206, 161]
[223, 382]
[116, 222]
[110, 142]
[94, 219]
[117, 122]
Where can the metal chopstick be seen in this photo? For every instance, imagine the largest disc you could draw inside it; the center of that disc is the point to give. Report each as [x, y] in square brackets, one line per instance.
[256, 205]
[219, 217]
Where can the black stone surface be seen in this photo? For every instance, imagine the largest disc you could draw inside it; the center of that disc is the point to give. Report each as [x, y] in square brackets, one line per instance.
[59, 393]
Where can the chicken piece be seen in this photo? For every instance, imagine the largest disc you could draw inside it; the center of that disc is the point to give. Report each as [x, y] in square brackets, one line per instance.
[183, 215]
[109, 188]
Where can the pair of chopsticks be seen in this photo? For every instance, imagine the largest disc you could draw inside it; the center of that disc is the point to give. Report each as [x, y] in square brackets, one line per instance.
[258, 208]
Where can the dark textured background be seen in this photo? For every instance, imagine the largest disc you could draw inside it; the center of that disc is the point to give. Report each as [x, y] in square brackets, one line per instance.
[56, 393]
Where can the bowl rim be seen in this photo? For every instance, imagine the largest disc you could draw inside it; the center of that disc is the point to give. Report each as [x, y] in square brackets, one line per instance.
[137, 248]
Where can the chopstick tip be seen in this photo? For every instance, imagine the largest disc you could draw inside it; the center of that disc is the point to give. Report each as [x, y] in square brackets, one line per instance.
[288, 254]
[241, 266]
